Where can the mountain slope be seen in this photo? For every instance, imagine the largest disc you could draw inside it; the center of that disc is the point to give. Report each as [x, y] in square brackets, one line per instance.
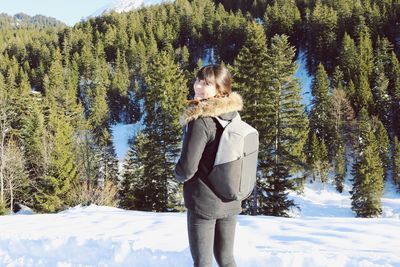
[22, 20]
[124, 6]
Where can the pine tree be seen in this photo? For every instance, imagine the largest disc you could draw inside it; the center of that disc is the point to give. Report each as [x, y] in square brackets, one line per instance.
[366, 55]
[208, 20]
[231, 35]
[344, 9]
[340, 167]
[136, 54]
[382, 140]
[121, 35]
[10, 76]
[289, 129]
[132, 191]
[119, 87]
[383, 56]
[381, 83]
[363, 95]
[320, 119]
[87, 158]
[381, 99]
[61, 174]
[323, 28]
[4, 132]
[139, 57]
[348, 59]
[55, 90]
[367, 171]
[318, 159]
[89, 76]
[351, 93]
[393, 73]
[394, 91]
[282, 17]
[342, 114]
[110, 42]
[99, 120]
[251, 80]
[73, 107]
[150, 44]
[396, 162]
[108, 162]
[33, 134]
[98, 111]
[19, 97]
[165, 97]
[338, 78]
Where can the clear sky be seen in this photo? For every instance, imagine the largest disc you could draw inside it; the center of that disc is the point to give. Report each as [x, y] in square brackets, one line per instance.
[68, 11]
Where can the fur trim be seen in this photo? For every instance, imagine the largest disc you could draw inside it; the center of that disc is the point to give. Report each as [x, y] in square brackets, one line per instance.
[212, 107]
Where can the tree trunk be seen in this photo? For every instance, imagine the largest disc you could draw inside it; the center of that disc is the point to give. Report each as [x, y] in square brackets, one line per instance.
[254, 208]
[2, 159]
[11, 196]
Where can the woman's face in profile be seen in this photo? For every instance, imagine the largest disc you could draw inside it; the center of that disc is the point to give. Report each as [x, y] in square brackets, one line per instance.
[203, 90]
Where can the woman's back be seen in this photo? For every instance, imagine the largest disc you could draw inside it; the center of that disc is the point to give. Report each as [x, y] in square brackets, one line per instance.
[211, 220]
[201, 142]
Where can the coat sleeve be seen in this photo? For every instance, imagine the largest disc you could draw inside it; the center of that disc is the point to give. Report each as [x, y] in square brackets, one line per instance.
[194, 142]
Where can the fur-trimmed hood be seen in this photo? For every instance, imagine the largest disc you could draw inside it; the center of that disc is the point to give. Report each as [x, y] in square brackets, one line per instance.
[212, 107]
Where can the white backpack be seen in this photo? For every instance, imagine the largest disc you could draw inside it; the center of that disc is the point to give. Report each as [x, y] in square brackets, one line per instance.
[234, 173]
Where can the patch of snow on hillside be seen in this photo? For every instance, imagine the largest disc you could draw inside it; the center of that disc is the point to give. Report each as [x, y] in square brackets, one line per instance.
[125, 6]
[121, 133]
[305, 79]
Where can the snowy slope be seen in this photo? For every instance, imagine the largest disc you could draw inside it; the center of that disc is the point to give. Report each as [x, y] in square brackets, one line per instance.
[322, 200]
[124, 6]
[103, 236]
[121, 133]
[304, 78]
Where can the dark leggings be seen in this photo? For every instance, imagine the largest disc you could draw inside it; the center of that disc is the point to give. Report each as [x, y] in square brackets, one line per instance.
[206, 235]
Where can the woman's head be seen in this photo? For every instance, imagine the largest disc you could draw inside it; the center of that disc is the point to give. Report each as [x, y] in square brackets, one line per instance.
[212, 81]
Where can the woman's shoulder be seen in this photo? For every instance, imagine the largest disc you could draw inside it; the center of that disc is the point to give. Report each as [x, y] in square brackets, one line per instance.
[202, 123]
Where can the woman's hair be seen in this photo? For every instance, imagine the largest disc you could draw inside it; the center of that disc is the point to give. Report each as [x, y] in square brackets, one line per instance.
[217, 75]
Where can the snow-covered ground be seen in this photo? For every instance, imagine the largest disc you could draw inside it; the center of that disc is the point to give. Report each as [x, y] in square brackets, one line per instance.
[102, 236]
[325, 233]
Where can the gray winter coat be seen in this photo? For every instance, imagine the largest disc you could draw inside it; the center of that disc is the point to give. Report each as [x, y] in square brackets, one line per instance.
[200, 143]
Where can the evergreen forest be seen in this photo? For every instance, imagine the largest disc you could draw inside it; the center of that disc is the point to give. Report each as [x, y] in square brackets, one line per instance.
[62, 88]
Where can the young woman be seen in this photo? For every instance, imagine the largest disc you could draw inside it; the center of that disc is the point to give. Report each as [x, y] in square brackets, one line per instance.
[211, 220]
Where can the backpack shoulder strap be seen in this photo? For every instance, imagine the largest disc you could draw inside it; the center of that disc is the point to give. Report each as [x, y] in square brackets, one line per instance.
[224, 123]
